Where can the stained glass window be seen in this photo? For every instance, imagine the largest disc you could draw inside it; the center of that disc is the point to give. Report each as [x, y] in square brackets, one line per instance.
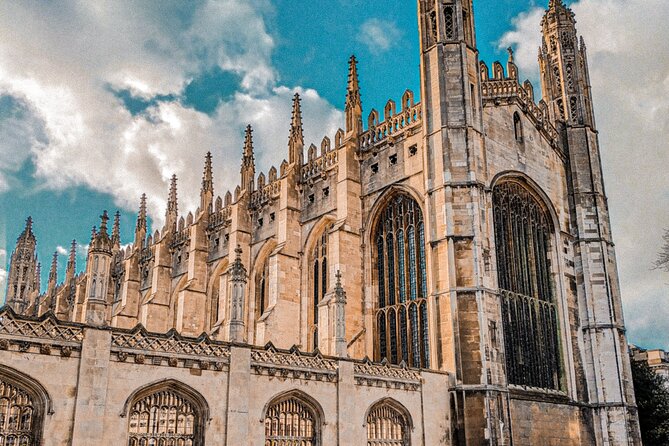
[522, 233]
[165, 418]
[291, 422]
[18, 416]
[387, 426]
[402, 331]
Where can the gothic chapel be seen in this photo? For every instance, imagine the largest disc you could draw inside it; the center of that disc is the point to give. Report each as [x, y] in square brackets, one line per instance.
[441, 272]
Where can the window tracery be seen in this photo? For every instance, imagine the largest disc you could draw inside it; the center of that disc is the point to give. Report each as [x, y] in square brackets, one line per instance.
[401, 317]
[20, 416]
[291, 422]
[387, 426]
[165, 418]
[530, 317]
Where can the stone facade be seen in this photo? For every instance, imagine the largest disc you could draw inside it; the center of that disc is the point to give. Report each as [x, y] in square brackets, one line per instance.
[658, 360]
[464, 239]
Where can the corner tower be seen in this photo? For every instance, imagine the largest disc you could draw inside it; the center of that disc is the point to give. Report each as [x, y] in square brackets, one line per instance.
[22, 272]
[566, 86]
[456, 175]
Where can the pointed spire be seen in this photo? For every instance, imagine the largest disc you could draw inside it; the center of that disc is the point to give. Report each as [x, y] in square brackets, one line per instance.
[104, 218]
[53, 272]
[94, 233]
[554, 4]
[510, 51]
[207, 176]
[296, 139]
[353, 108]
[248, 170]
[237, 270]
[116, 231]
[141, 216]
[172, 207]
[72, 261]
[38, 278]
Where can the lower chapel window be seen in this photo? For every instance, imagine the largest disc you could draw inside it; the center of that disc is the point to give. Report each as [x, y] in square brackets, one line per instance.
[19, 419]
[165, 418]
[530, 322]
[401, 318]
[387, 426]
[291, 422]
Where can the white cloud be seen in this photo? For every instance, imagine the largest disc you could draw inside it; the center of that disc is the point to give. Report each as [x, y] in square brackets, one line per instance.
[62, 251]
[629, 68]
[61, 63]
[379, 35]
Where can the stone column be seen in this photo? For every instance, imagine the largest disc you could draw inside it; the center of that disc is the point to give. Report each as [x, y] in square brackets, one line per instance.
[92, 386]
[239, 382]
[235, 329]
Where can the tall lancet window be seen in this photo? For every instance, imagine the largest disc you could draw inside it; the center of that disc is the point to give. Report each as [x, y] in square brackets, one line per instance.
[401, 317]
[319, 280]
[388, 425]
[523, 231]
[262, 289]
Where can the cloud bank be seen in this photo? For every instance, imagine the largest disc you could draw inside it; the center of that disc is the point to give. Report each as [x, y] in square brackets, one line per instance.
[65, 67]
[629, 69]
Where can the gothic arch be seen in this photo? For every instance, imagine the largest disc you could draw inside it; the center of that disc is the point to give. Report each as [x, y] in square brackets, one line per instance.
[388, 422]
[214, 291]
[299, 406]
[525, 245]
[533, 187]
[30, 399]
[380, 203]
[173, 396]
[310, 278]
[397, 266]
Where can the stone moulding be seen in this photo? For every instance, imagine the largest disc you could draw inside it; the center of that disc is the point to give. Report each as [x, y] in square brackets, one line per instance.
[293, 364]
[395, 125]
[170, 349]
[368, 373]
[44, 327]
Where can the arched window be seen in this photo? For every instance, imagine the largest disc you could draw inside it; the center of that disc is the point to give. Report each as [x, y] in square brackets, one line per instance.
[388, 424]
[517, 127]
[262, 289]
[401, 318]
[166, 414]
[522, 233]
[319, 279]
[291, 421]
[22, 408]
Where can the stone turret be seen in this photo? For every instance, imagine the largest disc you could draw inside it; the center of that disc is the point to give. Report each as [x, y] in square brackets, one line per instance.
[22, 272]
[98, 270]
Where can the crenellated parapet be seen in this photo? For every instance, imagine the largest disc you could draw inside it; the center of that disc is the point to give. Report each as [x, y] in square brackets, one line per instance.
[320, 163]
[505, 88]
[394, 123]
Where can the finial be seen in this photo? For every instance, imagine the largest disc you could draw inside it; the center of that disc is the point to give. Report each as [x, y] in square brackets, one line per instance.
[296, 138]
[116, 231]
[29, 224]
[510, 51]
[237, 269]
[104, 218]
[248, 145]
[53, 273]
[71, 262]
[172, 199]
[141, 216]
[94, 233]
[207, 176]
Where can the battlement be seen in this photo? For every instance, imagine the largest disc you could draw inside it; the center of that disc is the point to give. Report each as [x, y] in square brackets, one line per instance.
[394, 123]
[319, 163]
[506, 89]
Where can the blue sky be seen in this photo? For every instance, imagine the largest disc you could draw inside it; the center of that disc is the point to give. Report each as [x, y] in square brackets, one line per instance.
[99, 104]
